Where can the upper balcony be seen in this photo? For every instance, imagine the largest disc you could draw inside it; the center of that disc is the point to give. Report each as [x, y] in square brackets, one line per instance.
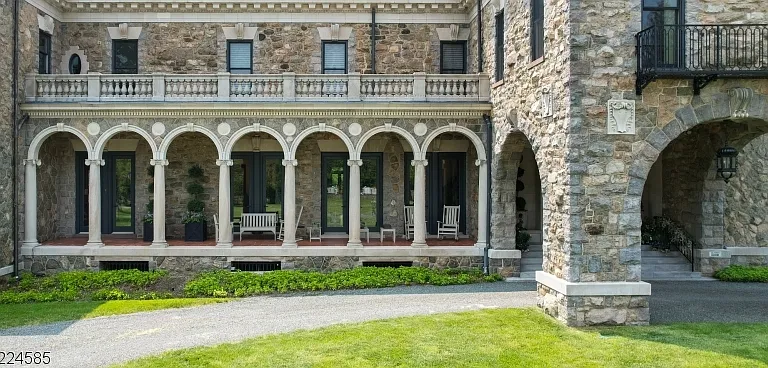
[286, 87]
[701, 53]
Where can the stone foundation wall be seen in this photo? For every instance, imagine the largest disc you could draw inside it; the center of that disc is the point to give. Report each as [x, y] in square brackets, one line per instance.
[193, 265]
[594, 310]
[187, 150]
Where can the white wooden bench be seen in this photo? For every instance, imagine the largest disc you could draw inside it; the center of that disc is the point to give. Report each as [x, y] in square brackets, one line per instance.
[258, 222]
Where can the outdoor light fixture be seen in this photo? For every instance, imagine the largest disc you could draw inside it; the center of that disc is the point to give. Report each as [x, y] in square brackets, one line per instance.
[727, 162]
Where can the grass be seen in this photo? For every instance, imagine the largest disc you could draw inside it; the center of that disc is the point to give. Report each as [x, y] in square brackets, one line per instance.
[489, 338]
[737, 273]
[123, 216]
[14, 315]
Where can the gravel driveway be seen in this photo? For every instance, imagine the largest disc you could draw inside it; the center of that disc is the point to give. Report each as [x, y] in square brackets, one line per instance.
[106, 340]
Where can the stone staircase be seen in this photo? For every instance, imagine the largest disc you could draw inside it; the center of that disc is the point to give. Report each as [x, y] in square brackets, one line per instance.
[532, 260]
[672, 265]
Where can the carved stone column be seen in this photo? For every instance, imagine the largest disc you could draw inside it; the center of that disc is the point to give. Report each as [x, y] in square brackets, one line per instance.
[354, 203]
[289, 204]
[30, 201]
[158, 209]
[419, 204]
[225, 223]
[94, 202]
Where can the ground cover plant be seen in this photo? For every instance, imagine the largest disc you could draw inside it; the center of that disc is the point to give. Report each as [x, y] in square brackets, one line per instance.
[487, 338]
[737, 273]
[239, 284]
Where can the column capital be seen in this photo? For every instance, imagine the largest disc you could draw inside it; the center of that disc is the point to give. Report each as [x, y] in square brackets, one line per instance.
[419, 162]
[354, 162]
[479, 162]
[156, 162]
[290, 163]
[95, 161]
[224, 162]
[32, 161]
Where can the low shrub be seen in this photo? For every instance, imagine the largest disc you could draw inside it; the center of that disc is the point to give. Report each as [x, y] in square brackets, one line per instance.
[222, 284]
[737, 273]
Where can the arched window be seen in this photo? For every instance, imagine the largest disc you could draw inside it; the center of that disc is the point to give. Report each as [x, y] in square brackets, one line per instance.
[75, 64]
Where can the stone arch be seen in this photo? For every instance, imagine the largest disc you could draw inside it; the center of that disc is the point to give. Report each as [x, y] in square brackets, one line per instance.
[34, 147]
[255, 128]
[323, 128]
[388, 128]
[168, 139]
[101, 143]
[479, 146]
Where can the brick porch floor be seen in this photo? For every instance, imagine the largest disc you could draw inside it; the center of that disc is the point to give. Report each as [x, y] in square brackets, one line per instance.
[253, 241]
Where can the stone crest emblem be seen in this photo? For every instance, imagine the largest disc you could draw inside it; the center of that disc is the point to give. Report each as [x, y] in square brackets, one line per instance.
[621, 117]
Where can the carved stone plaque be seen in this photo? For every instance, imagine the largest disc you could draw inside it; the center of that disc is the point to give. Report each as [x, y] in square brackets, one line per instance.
[621, 117]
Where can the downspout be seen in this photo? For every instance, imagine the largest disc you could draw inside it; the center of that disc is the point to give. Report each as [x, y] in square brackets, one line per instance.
[14, 122]
[373, 40]
[479, 36]
[489, 160]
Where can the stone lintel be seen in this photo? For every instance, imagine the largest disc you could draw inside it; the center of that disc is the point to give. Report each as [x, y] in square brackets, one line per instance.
[619, 288]
[713, 253]
[747, 251]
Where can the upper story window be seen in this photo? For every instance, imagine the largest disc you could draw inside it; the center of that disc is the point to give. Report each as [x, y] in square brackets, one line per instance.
[453, 57]
[125, 57]
[240, 57]
[665, 14]
[75, 64]
[499, 49]
[537, 29]
[334, 57]
[661, 13]
[44, 57]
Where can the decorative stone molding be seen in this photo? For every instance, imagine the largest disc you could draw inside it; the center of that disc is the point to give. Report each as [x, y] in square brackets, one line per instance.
[453, 33]
[45, 23]
[334, 33]
[355, 129]
[592, 288]
[124, 32]
[419, 162]
[158, 129]
[223, 129]
[155, 162]
[420, 129]
[290, 162]
[479, 162]
[93, 129]
[547, 102]
[354, 162]
[498, 5]
[224, 162]
[621, 117]
[30, 161]
[740, 100]
[74, 50]
[97, 161]
[240, 32]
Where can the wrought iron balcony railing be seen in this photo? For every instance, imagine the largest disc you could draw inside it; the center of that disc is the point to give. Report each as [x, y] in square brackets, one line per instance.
[701, 53]
[226, 87]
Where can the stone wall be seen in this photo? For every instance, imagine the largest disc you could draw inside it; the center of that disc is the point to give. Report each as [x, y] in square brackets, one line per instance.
[56, 188]
[144, 182]
[393, 179]
[187, 150]
[746, 197]
[6, 118]
[309, 181]
[277, 48]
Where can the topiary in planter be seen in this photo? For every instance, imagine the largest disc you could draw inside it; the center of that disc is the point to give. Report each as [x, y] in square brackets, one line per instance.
[194, 219]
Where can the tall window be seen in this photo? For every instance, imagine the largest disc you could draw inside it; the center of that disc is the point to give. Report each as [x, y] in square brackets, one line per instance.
[537, 29]
[334, 57]
[665, 15]
[499, 46]
[44, 61]
[453, 57]
[240, 57]
[125, 57]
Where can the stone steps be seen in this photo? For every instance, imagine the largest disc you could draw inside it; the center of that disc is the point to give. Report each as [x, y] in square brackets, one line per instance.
[670, 275]
[657, 265]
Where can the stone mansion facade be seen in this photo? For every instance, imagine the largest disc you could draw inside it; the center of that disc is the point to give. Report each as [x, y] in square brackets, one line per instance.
[333, 134]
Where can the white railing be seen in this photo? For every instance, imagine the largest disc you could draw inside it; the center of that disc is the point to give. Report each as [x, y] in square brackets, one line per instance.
[225, 87]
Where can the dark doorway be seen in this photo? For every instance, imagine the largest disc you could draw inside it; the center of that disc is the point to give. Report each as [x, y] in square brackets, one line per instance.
[118, 188]
[446, 186]
[335, 191]
[257, 183]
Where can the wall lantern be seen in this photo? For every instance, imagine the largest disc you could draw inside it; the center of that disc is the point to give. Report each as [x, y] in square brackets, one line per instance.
[727, 162]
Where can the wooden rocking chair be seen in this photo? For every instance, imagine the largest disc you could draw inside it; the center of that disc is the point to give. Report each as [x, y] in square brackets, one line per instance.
[450, 223]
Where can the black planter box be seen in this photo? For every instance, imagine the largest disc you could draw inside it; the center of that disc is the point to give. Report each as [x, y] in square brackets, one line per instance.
[196, 231]
[149, 231]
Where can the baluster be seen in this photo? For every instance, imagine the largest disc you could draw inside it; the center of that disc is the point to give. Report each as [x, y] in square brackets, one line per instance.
[130, 88]
[474, 88]
[148, 88]
[279, 87]
[389, 87]
[344, 87]
[441, 89]
[78, 88]
[110, 87]
[59, 88]
[214, 88]
[377, 87]
[327, 87]
[194, 86]
[139, 88]
[259, 87]
[453, 87]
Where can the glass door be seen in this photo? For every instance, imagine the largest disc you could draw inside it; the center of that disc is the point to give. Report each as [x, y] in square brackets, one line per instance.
[118, 187]
[371, 191]
[256, 183]
[446, 186]
[335, 183]
[272, 183]
[82, 173]
[666, 16]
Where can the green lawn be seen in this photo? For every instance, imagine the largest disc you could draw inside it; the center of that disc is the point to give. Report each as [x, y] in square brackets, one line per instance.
[12, 315]
[489, 338]
[367, 209]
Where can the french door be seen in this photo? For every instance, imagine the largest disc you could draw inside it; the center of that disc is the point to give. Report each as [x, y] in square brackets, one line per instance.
[446, 184]
[256, 183]
[335, 192]
[118, 192]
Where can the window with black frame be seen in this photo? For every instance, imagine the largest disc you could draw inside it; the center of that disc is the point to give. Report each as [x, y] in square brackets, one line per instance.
[334, 57]
[125, 57]
[44, 59]
[240, 57]
[499, 49]
[665, 16]
[537, 29]
[453, 57]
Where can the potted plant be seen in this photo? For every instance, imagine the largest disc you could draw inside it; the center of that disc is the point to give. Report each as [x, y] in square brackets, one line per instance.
[195, 228]
[522, 237]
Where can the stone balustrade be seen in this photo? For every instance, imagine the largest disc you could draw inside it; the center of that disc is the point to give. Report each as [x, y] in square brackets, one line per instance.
[226, 87]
